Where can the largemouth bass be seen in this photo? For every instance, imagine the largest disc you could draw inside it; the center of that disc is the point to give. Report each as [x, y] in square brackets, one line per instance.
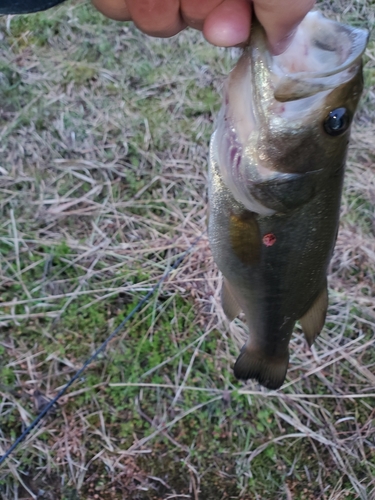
[277, 163]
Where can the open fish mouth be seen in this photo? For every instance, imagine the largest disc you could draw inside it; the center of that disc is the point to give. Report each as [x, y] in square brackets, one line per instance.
[323, 55]
[267, 95]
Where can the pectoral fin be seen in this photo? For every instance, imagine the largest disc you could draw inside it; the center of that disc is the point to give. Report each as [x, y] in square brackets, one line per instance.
[228, 301]
[313, 321]
[244, 236]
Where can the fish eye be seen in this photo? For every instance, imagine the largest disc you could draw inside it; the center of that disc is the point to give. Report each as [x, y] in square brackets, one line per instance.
[337, 121]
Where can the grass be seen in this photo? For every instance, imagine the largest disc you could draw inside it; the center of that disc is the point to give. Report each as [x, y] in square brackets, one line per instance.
[104, 140]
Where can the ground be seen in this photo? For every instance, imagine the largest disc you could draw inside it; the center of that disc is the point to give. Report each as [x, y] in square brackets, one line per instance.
[103, 162]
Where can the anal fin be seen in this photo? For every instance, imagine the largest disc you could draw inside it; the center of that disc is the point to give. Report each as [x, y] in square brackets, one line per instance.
[228, 301]
[313, 321]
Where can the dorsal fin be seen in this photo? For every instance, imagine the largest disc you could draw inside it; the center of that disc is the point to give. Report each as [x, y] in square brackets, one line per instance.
[313, 321]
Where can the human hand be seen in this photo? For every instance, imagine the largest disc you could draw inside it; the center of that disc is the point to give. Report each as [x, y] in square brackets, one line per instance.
[224, 22]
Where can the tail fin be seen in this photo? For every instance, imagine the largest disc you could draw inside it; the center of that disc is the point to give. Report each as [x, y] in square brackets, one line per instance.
[268, 371]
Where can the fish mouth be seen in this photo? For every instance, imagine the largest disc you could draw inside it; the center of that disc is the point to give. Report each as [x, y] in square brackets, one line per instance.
[267, 95]
[322, 55]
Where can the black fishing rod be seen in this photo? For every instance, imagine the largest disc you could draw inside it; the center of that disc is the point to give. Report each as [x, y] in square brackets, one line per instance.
[26, 6]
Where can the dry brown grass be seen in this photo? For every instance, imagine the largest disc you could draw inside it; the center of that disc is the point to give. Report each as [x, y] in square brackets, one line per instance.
[104, 138]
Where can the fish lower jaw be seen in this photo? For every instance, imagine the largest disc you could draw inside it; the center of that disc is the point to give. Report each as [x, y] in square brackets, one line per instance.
[226, 164]
[249, 202]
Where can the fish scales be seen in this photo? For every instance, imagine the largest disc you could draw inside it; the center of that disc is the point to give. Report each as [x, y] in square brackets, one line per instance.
[275, 180]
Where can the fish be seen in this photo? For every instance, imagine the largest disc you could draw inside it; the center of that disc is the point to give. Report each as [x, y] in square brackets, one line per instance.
[276, 170]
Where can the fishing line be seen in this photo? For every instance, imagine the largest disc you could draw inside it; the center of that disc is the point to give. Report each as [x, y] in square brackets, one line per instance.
[100, 349]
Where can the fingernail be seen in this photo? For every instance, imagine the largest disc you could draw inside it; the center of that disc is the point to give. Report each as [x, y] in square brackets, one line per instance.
[225, 36]
[280, 46]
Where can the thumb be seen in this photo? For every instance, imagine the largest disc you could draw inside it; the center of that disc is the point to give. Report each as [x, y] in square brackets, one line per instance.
[280, 19]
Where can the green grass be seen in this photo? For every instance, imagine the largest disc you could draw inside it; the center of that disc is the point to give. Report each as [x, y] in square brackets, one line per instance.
[104, 142]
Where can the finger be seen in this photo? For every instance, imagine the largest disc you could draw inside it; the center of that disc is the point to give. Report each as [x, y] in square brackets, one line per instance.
[229, 23]
[157, 17]
[194, 12]
[280, 19]
[114, 9]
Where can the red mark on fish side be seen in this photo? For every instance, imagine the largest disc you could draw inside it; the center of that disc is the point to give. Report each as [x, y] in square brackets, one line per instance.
[269, 239]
